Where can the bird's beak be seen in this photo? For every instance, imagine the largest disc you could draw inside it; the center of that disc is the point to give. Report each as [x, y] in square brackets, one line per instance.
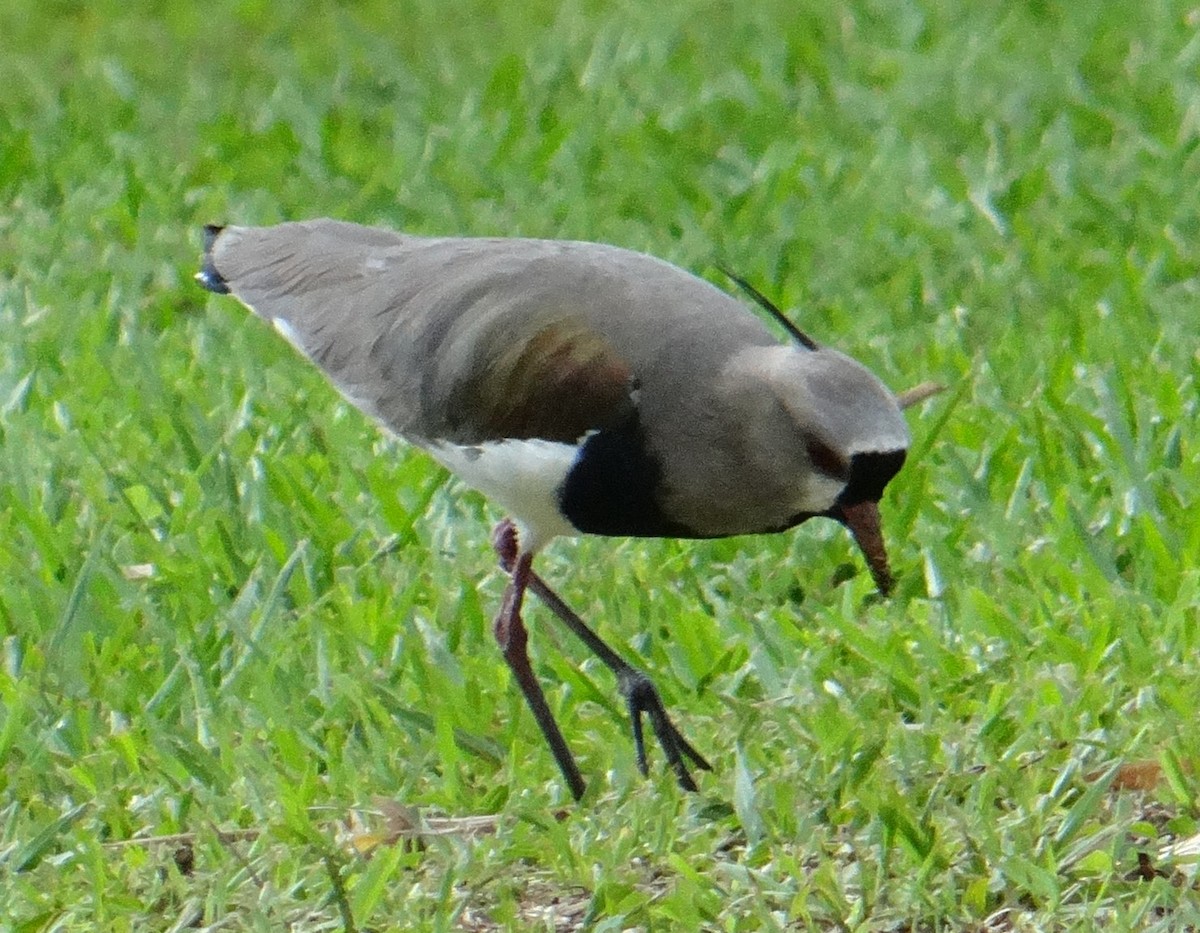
[862, 518]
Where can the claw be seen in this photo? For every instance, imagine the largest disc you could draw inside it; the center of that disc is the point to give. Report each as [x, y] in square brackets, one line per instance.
[643, 698]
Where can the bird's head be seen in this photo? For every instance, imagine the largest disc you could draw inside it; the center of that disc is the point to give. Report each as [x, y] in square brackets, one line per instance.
[840, 432]
[856, 431]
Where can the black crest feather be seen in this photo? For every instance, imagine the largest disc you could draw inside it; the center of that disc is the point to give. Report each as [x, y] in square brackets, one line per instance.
[770, 307]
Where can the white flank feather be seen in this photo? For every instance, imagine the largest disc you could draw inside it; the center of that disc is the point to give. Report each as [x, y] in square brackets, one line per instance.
[523, 477]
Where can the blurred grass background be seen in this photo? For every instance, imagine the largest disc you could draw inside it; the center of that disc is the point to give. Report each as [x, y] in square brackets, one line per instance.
[228, 604]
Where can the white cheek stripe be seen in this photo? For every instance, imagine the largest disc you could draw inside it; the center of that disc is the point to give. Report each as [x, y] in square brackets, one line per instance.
[521, 476]
[820, 493]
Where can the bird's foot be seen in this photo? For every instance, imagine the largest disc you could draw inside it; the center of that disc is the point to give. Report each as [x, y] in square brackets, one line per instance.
[642, 698]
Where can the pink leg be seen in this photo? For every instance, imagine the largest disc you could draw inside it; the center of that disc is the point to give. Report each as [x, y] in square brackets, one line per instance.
[639, 692]
[514, 643]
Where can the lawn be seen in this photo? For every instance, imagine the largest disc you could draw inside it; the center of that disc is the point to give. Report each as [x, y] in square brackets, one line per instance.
[247, 678]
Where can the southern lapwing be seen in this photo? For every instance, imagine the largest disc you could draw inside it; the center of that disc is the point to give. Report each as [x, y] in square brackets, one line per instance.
[585, 389]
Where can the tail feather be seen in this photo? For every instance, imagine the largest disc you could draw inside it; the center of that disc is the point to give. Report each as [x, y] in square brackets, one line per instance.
[208, 276]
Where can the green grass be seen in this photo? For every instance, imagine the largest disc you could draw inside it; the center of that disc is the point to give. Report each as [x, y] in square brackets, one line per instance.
[230, 609]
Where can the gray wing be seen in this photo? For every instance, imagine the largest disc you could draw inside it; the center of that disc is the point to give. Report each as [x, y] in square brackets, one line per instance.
[689, 416]
[470, 340]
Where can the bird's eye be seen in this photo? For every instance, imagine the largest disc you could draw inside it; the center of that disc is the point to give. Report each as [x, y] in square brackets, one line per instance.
[826, 459]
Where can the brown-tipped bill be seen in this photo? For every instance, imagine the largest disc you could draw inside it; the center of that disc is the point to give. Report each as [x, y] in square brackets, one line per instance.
[862, 518]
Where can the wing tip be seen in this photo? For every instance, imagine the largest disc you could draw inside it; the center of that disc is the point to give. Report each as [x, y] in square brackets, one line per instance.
[208, 276]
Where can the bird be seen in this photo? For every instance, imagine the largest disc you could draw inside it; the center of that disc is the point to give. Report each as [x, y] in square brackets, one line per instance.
[586, 389]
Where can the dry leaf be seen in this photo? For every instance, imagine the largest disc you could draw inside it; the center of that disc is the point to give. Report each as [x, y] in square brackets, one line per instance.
[1135, 775]
[403, 823]
[917, 394]
[1184, 850]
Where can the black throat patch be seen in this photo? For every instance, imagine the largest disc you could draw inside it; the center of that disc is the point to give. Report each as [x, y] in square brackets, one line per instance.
[612, 487]
[869, 474]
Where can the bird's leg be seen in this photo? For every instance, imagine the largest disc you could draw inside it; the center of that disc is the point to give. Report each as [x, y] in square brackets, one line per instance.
[640, 694]
[514, 643]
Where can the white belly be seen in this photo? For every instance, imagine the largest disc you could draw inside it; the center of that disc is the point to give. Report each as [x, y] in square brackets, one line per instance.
[523, 477]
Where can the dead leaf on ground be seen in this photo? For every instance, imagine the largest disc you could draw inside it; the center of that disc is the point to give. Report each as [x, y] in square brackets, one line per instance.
[1134, 775]
[1184, 849]
[404, 823]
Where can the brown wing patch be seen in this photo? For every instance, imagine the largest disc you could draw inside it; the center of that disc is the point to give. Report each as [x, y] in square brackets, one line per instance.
[557, 384]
